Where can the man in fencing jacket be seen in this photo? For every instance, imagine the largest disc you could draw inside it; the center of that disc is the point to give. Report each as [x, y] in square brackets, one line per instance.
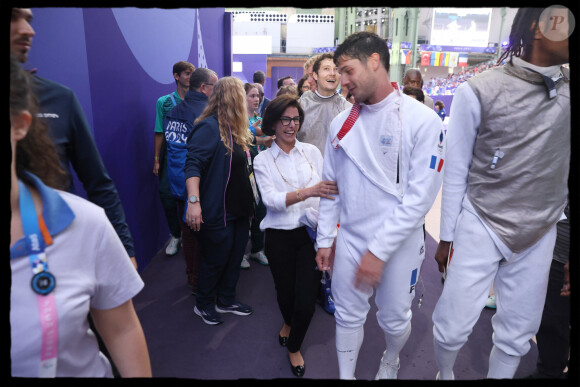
[505, 189]
[386, 154]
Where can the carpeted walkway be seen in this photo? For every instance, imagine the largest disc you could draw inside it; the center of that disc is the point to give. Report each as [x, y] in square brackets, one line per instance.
[181, 345]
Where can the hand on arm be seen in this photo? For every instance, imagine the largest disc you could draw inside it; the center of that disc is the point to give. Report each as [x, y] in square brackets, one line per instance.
[323, 189]
[124, 338]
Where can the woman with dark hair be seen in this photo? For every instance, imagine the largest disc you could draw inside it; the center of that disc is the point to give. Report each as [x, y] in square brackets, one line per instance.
[66, 261]
[288, 175]
[303, 85]
[415, 92]
[440, 110]
[217, 173]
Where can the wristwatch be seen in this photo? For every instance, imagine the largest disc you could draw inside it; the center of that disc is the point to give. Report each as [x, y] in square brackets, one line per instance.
[193, 199]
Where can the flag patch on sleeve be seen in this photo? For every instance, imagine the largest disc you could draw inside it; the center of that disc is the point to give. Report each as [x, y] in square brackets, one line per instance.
[436, 163]
[413, 281]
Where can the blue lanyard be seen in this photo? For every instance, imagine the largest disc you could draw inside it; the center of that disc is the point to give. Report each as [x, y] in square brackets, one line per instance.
[43, 282]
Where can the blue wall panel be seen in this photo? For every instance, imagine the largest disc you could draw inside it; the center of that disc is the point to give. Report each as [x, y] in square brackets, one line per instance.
[118, 62]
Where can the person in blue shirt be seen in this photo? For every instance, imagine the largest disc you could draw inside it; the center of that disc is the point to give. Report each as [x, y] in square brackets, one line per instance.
[440, 110]
[201, 86]
[71, 133]
[181, 73]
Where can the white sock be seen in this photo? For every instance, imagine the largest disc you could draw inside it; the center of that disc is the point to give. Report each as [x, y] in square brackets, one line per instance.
[395, 344]
[445, 361]
[348, 343]
[502, 365]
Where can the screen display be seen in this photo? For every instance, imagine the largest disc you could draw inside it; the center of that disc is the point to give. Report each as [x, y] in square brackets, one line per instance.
[460, 27]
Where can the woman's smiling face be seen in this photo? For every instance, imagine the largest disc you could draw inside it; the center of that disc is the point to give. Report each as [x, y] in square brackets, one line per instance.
[286, 134]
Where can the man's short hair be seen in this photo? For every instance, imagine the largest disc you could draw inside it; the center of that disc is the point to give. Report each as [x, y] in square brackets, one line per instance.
[281, 81]
[287, 89]
[260, 89]
[361, 45]
[440, 104]
[319, 59]
[310, 61]
[414, 91]
[181, 66]
[199, 76]
[259, 77]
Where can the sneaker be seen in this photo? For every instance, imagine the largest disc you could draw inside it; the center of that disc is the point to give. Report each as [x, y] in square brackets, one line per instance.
[173, 246]
[438, 377]
[386, 370]
[490, 303]
[245, 263]
[259, 257]
[209, 316]
[235, 308]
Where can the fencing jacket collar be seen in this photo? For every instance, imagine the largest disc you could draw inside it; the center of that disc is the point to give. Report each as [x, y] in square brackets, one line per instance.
[357, 143]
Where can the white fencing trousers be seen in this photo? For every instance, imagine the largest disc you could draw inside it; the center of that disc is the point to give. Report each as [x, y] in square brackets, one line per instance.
[519, 281]
[393, 295]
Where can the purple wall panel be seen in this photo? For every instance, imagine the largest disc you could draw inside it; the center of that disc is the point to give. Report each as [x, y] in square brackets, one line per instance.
[280, 72]
[91, 51]
[59, 51]
[251, 64]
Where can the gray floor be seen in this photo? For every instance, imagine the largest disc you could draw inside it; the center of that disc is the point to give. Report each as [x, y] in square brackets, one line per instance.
[181, 345]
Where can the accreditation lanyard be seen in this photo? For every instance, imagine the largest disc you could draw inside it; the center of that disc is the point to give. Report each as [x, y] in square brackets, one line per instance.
[42, 283]
[252, 178]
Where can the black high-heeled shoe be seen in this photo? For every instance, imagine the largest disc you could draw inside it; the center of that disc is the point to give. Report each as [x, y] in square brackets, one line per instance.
[298, 370]
[283, 340]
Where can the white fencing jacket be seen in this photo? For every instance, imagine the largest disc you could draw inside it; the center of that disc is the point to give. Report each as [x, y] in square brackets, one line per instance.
[389, 170]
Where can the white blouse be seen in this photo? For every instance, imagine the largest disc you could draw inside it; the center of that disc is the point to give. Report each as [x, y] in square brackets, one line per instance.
[301, 168]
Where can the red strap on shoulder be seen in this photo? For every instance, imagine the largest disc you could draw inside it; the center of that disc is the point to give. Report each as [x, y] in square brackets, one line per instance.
[348, 124]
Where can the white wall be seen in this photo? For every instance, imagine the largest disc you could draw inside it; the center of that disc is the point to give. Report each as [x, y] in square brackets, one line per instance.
[302, 36]
[252, 23]
[263, 28]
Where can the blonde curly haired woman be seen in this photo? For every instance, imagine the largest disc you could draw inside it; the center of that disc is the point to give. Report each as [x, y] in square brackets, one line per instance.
[220, 197]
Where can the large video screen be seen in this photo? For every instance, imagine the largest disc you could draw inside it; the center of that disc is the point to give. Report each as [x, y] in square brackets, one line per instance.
[460, 27]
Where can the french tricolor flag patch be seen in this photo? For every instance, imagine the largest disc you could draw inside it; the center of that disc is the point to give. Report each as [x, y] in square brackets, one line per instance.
[436, 164]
